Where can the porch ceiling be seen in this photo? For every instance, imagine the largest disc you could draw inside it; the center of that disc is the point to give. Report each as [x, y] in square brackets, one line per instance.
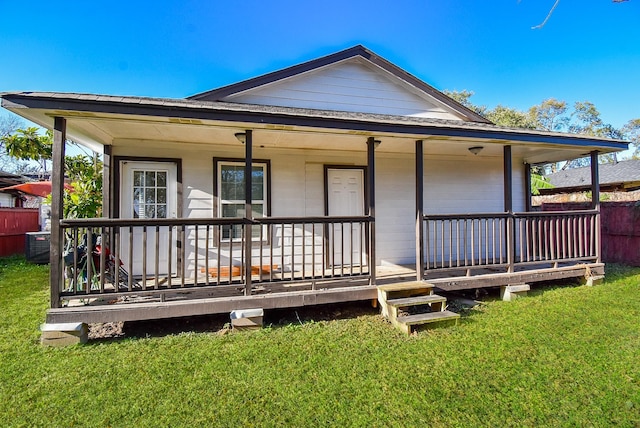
[97, 128]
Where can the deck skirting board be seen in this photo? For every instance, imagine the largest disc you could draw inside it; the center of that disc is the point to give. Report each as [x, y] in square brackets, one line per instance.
[527, 276]
[183, 308]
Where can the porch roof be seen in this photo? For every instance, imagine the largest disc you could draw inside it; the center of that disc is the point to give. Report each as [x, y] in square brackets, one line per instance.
[84, 113]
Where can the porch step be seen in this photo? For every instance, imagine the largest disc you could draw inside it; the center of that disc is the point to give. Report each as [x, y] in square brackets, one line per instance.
[406, 286]
[427, 318]
[417, 300]
[393, 297]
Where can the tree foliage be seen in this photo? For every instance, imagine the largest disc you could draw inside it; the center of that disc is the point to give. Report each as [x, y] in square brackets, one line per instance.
[84, 172]
[85, 198]
[9, 123]
[555, 115]
[27, 144]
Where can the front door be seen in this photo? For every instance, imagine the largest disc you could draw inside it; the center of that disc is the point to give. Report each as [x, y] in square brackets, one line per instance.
[345, 197]
[149, 190]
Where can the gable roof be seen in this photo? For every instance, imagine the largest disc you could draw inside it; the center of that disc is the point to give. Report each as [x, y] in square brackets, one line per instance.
[623, 175]
[357, 52]
[40, 107]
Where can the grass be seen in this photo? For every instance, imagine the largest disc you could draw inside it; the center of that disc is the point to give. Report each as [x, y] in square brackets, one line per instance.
[565, 356]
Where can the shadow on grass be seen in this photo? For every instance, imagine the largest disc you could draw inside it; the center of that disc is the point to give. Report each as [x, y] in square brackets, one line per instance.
[459, 302]
[220, 323]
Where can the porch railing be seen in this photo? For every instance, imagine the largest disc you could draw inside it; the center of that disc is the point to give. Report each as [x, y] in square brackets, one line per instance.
[103, 256]
[507, 240]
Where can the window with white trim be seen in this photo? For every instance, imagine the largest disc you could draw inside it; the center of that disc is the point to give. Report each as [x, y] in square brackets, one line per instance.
[231, 195]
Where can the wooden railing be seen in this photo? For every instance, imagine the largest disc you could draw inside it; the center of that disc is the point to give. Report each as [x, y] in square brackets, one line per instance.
[103, 256]
[465, 240]
[506, 240]
[556, 236]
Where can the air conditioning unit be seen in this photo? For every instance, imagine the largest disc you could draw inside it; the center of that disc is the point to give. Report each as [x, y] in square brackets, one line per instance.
[37, 247]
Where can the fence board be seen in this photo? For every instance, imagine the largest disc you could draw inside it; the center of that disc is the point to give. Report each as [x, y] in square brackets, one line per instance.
[14, 224]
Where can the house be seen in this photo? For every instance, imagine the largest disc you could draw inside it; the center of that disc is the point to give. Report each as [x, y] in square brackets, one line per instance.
[309, 185]
[618, 177]
[9, 199]
[17, 217]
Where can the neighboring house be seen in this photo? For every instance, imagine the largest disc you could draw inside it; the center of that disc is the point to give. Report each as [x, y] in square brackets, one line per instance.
[10, 199]
[623, 176]
[308, 185]
[15, 218]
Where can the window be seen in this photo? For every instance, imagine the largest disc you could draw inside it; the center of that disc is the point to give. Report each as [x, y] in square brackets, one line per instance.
[149, 194]
[231, 197]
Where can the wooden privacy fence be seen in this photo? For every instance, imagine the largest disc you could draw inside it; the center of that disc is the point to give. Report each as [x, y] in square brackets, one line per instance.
[14, 224]
[506, 240]
[620, 227]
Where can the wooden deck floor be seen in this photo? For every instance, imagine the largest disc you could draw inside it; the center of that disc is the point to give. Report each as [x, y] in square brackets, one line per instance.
[201, 300]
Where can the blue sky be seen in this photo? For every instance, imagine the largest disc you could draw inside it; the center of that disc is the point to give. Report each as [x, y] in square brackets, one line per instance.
[589, 50]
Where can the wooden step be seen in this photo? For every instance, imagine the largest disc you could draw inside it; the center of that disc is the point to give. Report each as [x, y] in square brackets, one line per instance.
[417, 300]
[427, 318]
[404, 286]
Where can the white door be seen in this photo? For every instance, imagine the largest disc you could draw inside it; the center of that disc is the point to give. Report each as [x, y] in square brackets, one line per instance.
[149, 190]
[346, 198]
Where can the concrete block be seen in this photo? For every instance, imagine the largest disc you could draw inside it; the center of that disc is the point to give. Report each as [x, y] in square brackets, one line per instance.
[512, 292]
[247, 319]
[64, 334]
[592, 280]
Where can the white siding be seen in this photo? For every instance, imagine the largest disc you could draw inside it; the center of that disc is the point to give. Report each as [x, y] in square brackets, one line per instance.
[452, 185]
[346, 86]
[6, 200]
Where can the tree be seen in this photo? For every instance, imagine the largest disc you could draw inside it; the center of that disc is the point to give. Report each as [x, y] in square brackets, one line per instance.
[84, 172]
[9, 123]
[27, 144]
[632, 132]
[555, 115]
[463, 97]
[550, 115]
[85, 200]
[507, 116]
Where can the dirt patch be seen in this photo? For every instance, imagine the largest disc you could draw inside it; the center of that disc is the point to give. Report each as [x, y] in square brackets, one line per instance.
[220, 322]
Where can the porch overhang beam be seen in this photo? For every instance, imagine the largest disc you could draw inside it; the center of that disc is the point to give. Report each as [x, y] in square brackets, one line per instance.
[264, 115]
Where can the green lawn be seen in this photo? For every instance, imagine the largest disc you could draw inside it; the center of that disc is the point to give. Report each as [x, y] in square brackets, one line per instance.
[566, 356]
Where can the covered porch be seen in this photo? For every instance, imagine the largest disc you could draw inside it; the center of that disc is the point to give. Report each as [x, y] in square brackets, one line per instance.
[295, 250]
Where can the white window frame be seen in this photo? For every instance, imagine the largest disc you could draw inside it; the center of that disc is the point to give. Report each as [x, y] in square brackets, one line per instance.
[220, 164]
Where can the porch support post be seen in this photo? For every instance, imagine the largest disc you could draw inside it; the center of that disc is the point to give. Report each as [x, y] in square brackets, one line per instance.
[419, 210]
[508, 206]
[248, 172]
[527, 187]
[371, 209]
[57, 187]
[106, 182]
[595, 201]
